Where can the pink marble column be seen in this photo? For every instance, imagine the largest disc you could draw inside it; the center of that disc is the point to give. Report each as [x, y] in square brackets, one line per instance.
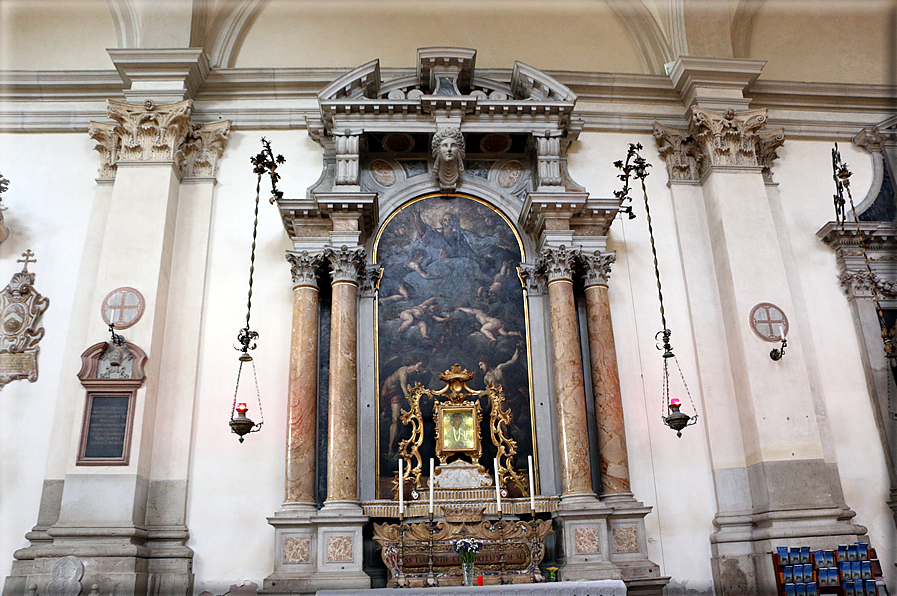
[342, 428]
[569, 386]
[303, 382]
[606, 379]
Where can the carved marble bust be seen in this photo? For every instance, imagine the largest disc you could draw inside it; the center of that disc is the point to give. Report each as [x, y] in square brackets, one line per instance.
[448, 154]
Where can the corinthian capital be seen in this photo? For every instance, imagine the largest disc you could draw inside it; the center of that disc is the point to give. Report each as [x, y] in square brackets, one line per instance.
[680, 152]
[303, 267]
[150, 132]
[597, 267]
[729, 138]
[198, 155]
[107, 144]
[346, 264]
[557, 263]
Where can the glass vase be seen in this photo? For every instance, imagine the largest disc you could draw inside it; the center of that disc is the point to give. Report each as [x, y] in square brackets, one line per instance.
[467, 569]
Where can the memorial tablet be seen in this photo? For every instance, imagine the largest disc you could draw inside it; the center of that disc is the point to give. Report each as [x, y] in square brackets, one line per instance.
[106, 434]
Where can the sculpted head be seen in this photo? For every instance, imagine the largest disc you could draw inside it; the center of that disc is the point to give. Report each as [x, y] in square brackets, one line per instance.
[448, 154]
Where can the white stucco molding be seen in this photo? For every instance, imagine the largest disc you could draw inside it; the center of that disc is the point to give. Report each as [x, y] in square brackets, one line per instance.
[165, 75]
[880, 141]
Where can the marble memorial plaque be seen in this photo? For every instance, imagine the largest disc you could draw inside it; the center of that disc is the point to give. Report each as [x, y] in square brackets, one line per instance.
[106, 434]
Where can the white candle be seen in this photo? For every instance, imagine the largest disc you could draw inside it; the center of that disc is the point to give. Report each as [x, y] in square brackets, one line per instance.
[432, 488]
[401, 489]
[497, 486]
[532, 494]
[781, 331]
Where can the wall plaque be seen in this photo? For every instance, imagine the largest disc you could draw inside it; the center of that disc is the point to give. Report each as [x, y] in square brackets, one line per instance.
[112, 372]
[107, 428]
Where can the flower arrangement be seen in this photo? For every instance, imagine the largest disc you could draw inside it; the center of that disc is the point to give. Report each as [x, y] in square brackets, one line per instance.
[467, 549]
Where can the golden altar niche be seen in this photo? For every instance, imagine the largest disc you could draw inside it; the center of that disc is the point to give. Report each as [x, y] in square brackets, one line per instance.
[461, 491]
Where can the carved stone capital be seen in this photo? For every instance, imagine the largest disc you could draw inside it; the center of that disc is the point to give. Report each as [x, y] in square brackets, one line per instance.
[369, 278]
[303, 267]
[204, 144]
[346, 265]
[769, 141]
[107, 144]
[597, 267]
[680, 152]
[731, 138]
[533, 282]
[150, 132]
[558, 263]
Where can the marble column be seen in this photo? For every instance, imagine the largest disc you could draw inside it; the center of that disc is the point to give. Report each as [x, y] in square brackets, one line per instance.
[342, 441]
[614, 459]
[569, 386]
[303, 381]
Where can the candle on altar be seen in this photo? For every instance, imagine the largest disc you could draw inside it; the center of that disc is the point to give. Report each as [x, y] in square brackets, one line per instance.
[432, 488]
[532, 494]
[497, 486]
[401, 490]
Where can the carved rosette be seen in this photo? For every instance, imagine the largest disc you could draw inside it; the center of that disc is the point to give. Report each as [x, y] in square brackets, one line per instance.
[303, 267]
[732, 139]
[597, 267]
[150, 132]
[346, 265]
[107, 144]
[198, 155]
[680, 152]
[557, 263]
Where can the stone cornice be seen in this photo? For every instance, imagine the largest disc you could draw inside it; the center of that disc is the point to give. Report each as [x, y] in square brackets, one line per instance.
[54, 101]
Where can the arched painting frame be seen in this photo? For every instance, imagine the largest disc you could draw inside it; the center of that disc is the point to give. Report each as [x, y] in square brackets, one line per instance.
[449, 293]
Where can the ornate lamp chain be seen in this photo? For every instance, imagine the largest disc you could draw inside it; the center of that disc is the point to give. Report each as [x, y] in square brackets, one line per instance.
[637, 167]
[264, 163]
[841, 175]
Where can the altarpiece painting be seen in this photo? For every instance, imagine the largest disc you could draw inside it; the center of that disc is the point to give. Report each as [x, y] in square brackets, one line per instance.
[449, 293]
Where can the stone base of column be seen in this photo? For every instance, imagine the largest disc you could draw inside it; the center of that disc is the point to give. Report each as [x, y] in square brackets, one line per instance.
[317, 549]
[607, 540]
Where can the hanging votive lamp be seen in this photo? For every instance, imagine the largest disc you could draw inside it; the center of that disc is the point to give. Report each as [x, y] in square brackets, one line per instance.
[240, 423]
[636, 166]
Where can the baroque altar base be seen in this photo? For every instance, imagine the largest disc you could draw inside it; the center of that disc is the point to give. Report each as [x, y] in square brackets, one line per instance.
[605, 587]
[421, 554]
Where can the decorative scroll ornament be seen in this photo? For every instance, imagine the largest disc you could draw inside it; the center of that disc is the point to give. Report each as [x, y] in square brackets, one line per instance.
[448, 151]
[150, 132]
[21, 310]
[636, 166]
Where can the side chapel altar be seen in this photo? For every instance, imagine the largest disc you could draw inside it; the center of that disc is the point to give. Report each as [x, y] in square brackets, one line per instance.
[472, 503]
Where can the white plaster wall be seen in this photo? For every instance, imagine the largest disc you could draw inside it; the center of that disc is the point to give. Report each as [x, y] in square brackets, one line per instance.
[233, 486]
[314, 33]
[670, 474]
[803, 172]
[41, 34]
[49, 201]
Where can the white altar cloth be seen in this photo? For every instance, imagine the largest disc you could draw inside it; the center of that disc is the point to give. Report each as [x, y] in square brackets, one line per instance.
[605, 587]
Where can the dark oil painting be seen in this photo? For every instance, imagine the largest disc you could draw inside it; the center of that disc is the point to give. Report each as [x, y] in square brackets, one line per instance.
[449, 294]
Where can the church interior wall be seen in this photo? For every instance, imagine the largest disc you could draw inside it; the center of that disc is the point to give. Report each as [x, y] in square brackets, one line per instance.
[51, 216]
[232, 487]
